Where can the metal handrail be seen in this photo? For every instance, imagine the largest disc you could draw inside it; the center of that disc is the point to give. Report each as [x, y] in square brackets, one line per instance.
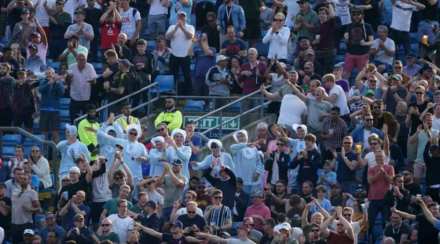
[228, 105]
[118, 101]
[223, 122]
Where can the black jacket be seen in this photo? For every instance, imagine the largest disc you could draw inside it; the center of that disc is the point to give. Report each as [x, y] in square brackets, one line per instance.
[283, 165]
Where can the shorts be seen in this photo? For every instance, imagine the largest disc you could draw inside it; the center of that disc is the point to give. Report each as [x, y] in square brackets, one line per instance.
[49, 120]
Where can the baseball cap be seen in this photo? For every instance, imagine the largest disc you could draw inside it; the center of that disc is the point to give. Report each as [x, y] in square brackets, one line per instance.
[28, 232]
[177, 162]
[125, 62]
[181, 13]
[221, 58]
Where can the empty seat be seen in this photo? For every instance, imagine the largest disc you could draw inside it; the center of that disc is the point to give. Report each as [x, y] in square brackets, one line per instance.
[194, 106]
[11, 139]
[8, 151]
[165, 83]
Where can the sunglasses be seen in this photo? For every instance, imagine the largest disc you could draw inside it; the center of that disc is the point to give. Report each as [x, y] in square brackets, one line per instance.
[161, 129]
[105, 225]
[373, 144]
[218, 197]
[278, 20]
[419, 93]
[191, 212]
[280, 144]
[315, 230]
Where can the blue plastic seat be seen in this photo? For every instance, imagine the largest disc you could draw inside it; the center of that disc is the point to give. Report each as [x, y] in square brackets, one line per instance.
[263, 49]
[8, 151]
[194, 106]
[166, 84]
[151, 45]
[10, 139]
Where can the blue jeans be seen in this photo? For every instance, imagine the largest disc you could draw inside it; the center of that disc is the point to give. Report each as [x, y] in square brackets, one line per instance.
[375, 207]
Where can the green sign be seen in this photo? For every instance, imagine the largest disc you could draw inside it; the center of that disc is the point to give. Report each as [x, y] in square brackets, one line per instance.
[214, 121]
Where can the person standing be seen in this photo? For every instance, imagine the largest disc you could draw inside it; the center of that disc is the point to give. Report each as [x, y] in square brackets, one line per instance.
[122, 224]
[180, 36]
[379, 178]
[24, 202]
[131, 21]
[401, 22]
[81, 76]
[359, 37]
[278, 38]
[81, 29]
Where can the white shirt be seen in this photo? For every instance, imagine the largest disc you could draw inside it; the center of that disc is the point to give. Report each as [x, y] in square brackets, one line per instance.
[367, 134]
[341, 100]
[435, 123]
[381, 56]
[278, 43]
[128, 20]
[292, 11]
[180, 44]
[41, 13]
[402, 13]
[342, 10]
[71, 5]
[291, 110]
[80, 88]
[121, 226]
[371, 159]
[156, 8]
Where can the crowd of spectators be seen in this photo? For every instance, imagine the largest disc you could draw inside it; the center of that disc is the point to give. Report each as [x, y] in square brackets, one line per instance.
[352, 158]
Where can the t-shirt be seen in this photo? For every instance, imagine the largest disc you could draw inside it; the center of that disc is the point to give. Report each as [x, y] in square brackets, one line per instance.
[111, 237]
[128, 20]
[172, 192]
[381, 56]
[335, 238]
[180, 44]
[402, 14]
[341, 100]
[121, 226]
[41, 13]
[80, 88]
[233, 47]
[197, 220]
[342, 10]
[156, 8]
[109, 33]
[315, 111]
[356, 33]
[291, 110]
[380, 186]
[436, 123]
[344, 173]
[71, 5]
[19, 200]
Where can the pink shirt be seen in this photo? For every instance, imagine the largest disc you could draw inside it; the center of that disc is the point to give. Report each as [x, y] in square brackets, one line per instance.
[259, 210]
[380, 186]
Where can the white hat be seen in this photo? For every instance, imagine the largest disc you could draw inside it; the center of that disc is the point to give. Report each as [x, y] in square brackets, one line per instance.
[134, 127]
[214, 141]
[181, 13]
[71, 130]
[179, 131]
[157, 139]
[75, 169]
[242, 132]
[28, 232]
[302, 126]
[282, 226]
[221, 58]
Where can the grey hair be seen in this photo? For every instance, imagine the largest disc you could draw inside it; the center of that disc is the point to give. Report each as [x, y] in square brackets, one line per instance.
[382, 28]
[262, 125]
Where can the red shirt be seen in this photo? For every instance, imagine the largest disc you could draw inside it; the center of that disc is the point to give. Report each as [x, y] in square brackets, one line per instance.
[253, 82]
[380, 186]
[335, 238]
[109, 33]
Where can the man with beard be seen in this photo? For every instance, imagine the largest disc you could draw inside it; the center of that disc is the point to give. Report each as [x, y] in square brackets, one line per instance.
[87, 130]
[171, 116]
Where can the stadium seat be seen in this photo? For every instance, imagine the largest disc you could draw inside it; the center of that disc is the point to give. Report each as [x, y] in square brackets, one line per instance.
[151, 45]
[194, 106]
[8, 151]
[11, 139]
[165, 83]
[234, 108]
